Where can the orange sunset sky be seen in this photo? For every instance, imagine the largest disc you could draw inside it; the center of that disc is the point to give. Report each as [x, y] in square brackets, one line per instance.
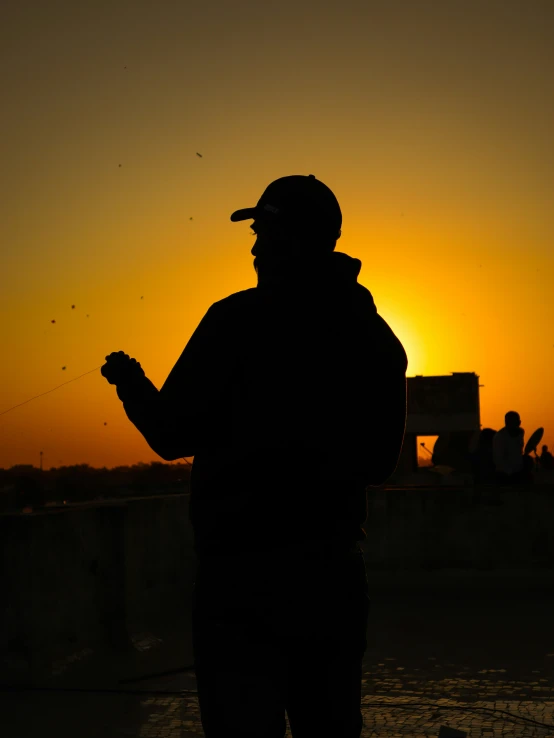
[431, 121]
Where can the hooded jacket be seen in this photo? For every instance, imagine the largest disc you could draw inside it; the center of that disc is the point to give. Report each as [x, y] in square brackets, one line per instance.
[292, 400]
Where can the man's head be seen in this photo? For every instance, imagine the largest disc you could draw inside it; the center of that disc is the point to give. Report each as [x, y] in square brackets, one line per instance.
[512, 420]
[297, 222]
[544, 449]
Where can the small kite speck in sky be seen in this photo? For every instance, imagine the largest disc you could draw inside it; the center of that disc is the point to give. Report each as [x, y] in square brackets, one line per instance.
[87, 316]
[119, 164]
[197, 154]
[73, 307]
[141, 297]
[105, 424]
[52, 321]
[190, 218]
[63, 368]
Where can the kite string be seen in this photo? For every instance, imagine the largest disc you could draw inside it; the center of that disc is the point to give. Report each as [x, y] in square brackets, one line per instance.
[58, 387]
[52, 390]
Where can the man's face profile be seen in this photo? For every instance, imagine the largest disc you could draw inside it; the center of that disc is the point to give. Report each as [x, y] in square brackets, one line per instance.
[270, 249]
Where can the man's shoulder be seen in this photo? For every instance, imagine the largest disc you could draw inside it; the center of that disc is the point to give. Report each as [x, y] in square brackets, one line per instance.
[236, 300]
[233, 305]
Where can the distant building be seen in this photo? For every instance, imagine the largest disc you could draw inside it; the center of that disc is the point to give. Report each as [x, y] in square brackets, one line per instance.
[444, 406]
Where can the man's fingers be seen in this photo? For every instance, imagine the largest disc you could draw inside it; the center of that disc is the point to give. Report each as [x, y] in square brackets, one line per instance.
[117, 355]
[120, 367]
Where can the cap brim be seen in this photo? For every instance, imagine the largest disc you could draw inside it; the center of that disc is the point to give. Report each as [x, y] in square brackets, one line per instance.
[243, 214]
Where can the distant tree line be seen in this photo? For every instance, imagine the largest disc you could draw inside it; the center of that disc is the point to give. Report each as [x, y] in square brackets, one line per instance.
[27, 486]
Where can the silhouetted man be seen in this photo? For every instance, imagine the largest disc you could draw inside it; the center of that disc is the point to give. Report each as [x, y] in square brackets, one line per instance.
[508, 444]
[546, 459]
[482, 458]
[291, 397]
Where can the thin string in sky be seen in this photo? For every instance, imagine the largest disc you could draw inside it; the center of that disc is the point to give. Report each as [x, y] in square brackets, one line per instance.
[52, 390]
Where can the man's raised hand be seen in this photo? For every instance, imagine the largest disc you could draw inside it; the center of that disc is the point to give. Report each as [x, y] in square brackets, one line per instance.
[120, 369]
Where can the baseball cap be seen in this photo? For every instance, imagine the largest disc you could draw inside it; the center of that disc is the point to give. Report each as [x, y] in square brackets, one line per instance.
[297, 200]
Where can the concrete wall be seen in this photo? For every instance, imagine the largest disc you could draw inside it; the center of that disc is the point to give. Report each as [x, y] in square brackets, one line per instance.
[86, 576]
[159, 560]
[495, 529]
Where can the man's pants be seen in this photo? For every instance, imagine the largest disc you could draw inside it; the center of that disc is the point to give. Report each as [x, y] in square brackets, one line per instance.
[276, 632]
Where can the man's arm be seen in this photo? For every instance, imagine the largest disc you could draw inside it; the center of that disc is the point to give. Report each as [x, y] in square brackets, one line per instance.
[391, 392]
[173, 420]
[144, 407]
[373, 435]
[388, 443]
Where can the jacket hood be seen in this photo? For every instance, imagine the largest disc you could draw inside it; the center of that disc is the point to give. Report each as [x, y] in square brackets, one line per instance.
[346, 266]
[333, 276]
[336, 279]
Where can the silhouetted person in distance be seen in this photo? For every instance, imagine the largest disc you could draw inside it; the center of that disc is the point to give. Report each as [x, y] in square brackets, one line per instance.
[482, 459]
[291, 396]
[546, 459]
[512, 467]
